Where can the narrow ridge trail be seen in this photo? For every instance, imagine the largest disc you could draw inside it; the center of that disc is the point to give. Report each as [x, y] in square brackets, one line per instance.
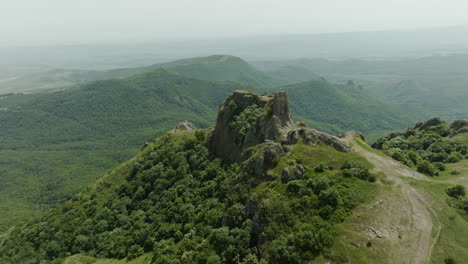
[411, 242]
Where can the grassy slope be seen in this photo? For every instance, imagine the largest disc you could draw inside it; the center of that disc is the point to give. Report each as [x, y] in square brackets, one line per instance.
[450, 242]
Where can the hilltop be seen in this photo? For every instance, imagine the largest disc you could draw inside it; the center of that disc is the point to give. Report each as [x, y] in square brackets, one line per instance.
[255, 188]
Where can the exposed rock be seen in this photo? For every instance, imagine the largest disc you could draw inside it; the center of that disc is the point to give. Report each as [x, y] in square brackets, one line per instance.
[459, 127]
[299, 171]
[263, 157]
[145, 145]
[270, 124]
[372, 233]
[311, 136]
[285, 175]
[356, 244]
[185, 125]
[300, 124]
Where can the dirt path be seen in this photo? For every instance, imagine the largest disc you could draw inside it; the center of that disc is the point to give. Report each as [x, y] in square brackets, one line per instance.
[406, 217]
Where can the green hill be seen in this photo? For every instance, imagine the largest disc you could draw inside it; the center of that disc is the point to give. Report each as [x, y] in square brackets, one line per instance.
[59, 142]
[180, 202]
[215, 68]
[54, 144]
[255, 188]
[336, 108]
[435, 83]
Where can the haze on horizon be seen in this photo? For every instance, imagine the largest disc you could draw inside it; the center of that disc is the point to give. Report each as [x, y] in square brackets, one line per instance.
[52, 22]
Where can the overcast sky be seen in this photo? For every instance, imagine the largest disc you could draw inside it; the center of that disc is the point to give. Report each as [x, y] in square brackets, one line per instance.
[33, 22]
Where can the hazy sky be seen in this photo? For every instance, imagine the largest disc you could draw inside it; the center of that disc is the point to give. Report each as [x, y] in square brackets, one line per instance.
[32, 22]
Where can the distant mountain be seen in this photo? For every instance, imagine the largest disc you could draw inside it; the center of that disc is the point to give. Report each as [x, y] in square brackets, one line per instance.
[436, 83]
[216, 67]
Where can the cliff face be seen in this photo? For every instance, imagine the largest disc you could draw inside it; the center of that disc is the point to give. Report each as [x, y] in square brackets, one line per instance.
[246, 119]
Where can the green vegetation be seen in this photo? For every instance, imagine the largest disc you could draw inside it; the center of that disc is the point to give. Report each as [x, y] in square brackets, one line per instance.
[451, 244]
[405, 81]
[53, 144]
[244, 120]
[458, 200]
[57, 143]
[346, 107]
[181, 204]
[426, 147]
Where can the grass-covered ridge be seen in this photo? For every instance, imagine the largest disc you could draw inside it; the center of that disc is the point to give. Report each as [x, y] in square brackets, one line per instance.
[427, 147]
[180, 204]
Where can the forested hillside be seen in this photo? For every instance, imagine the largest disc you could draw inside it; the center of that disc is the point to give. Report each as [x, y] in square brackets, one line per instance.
[54, 144]
[58, 143]
[435, 83]
[337, 108]
[179, 201]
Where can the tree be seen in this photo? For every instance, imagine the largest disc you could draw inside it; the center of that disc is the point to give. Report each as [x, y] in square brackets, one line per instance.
[456, 191]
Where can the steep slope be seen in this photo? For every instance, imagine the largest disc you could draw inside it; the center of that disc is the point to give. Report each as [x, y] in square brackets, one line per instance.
[57, 143]
[278, 202]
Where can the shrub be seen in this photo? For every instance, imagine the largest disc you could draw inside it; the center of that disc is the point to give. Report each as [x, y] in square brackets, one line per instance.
[134, 252]
[320, 168]
[454, 157]
[456, 191]
[360, 173]
[350, 164]
[449, 261]
[427, 168]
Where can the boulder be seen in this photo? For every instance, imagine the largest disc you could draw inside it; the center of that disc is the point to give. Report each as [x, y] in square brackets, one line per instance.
[185, 125]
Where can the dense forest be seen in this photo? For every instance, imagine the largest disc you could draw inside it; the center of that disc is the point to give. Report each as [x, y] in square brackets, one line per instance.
[52, 144]
[183, 204]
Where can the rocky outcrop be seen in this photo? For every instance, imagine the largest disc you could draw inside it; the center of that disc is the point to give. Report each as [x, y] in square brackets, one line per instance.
[310, 136]
[257, 131]
[262, 157]
[246, 120]
[185, 125]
